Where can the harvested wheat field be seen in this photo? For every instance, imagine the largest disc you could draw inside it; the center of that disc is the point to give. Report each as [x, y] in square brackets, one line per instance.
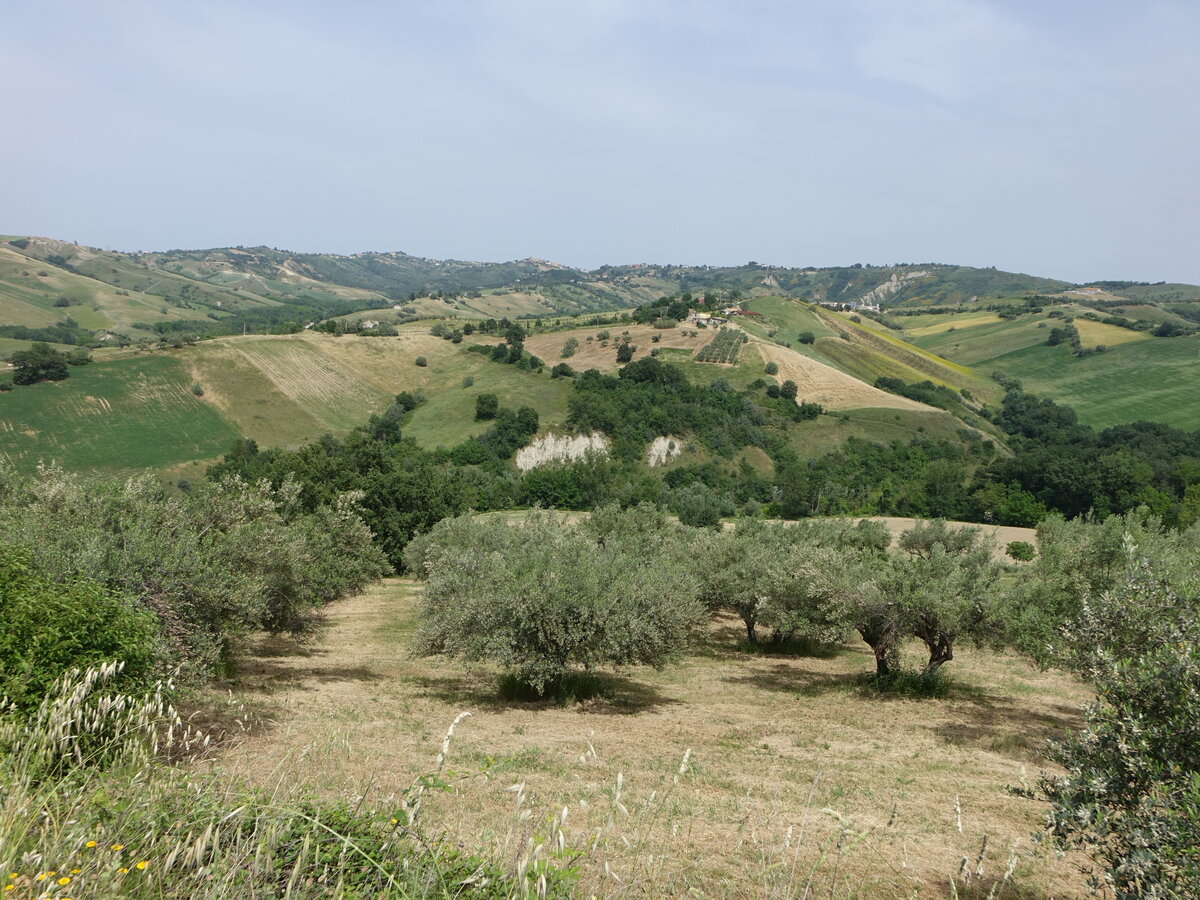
[727, 775]
[819, 383]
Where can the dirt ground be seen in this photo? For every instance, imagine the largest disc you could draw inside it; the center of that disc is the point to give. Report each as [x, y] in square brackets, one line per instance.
[795, 775]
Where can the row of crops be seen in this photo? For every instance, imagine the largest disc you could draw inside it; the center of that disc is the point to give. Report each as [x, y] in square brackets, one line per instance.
[723, 348]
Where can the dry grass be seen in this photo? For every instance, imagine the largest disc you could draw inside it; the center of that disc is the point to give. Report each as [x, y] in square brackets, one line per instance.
[591, 355]
[793, 768]
[819, 383]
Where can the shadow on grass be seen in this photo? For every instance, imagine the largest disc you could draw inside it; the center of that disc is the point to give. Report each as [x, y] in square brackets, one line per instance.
[602, 693]
[794, 680]
[269, 663]
[1003, 726]
[727, 639]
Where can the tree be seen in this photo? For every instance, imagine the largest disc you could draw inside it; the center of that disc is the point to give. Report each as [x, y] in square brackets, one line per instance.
[1131, 793]
[772, 368]
[625, 352]
[944, 581]
[486, 407]
[542, 597]
[774, 575]
[421, 361]
[789, 390]
[40, 362]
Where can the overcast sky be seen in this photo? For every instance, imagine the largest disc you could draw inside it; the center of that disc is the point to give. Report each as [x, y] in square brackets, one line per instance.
[1053, 137]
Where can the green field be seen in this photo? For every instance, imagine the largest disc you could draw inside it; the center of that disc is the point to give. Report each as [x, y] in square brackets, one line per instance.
[1156, 380]
[128, 414]
[1137, 377]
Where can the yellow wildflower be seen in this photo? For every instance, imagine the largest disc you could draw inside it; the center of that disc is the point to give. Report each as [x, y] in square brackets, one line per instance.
[64, 880]
[117, 847]
[123, 871]
[74, 871]
[10, 887]
[90, 844]
[143, 864]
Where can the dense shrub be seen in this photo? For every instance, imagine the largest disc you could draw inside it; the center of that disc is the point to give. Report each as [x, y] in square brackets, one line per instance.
[218, 561]
[40, 362]
[48, 628]
[1022, 551]
[486, 407]
[1131, 791]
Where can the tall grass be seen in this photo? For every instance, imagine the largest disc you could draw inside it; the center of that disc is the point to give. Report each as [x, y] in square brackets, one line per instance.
[101, 796]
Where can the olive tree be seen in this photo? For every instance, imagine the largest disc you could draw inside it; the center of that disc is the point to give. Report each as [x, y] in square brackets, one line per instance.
[540, 597]
[943, 581]
[938, 585]
[781, 576]
[1130, 797]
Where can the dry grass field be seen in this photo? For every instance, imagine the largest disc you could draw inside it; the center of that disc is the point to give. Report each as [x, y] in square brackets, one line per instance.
[602, 355]
[819, 383]
[796, 776]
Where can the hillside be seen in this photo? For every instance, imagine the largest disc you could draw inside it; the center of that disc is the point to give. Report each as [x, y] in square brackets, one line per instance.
[1123, 375]
[289, 390]
[116, 297]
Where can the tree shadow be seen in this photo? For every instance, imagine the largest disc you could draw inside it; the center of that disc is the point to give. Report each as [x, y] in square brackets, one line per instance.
[268, 664]
[726, 639]
[612, 694]
[1006, 727]
[795, 680]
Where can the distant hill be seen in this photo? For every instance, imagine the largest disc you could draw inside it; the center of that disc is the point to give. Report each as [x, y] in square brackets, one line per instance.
[123, 296]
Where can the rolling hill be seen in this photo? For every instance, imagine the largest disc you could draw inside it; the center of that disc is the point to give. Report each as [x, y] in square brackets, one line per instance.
[170, 405]
[114, 296]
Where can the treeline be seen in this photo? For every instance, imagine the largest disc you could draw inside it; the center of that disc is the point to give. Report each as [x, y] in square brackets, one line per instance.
[1057, 465]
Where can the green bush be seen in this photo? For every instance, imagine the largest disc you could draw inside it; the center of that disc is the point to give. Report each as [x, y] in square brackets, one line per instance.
[47, 629]
[1130, 797]
[421, 361]
[221, 560]
[1022, 551]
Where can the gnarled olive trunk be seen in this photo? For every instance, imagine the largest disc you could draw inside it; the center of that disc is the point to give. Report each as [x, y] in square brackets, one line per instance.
[941, 650]
[880, 635]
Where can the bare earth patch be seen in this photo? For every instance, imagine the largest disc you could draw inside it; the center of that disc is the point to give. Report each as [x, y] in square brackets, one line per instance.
[789, 761]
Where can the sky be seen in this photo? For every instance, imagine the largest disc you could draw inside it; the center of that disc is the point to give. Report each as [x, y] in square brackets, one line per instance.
[1054, 137]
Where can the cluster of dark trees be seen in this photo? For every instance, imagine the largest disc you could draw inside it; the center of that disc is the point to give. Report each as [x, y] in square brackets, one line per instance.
[41, 362]
[922, 391]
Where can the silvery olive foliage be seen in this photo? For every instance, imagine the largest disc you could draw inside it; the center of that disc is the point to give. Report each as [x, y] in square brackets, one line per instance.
[541, 596]
[776, 575]
[226, 558]
[1131, 795]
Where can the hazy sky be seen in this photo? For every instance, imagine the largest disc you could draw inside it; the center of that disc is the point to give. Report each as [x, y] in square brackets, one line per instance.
[1054, 137]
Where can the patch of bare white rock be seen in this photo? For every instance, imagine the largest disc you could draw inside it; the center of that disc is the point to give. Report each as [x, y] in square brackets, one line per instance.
[663, 450]
[557, 448]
